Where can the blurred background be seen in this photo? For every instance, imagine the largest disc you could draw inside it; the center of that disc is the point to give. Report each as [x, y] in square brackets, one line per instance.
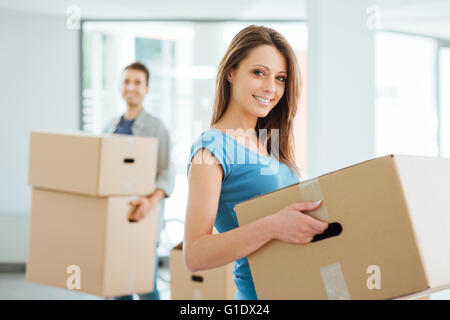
[376, 80]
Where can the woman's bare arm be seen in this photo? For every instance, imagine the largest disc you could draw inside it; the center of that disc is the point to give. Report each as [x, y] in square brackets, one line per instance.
[204, 250]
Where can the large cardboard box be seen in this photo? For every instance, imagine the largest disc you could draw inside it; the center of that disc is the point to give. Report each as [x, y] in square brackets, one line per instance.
[213, 284]
[415, 296]
[104, 165]
[87, 244]
[394, 213]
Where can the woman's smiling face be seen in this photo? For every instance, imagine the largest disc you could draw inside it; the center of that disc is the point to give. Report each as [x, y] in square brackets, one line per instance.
[259, 81]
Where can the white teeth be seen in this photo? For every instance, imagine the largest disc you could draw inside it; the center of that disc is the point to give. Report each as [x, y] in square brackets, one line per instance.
[262, 99]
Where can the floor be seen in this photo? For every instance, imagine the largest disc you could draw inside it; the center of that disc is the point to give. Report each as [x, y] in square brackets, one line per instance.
[13, 286]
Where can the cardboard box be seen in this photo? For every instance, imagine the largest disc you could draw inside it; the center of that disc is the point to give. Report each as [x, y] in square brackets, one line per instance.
[89, 241]
[416, 296]
[82, 163]
[213, 284]
[394, 212]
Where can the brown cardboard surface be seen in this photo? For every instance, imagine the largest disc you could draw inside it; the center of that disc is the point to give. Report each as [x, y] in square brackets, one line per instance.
[371, 201]
[105, 165]
[213, 284]
[137, 177]
[115, 257]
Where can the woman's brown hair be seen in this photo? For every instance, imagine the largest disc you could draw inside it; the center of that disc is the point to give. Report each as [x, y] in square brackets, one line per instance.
[282, 115]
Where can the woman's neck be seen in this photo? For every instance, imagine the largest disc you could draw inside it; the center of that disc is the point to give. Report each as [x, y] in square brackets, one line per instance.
[235, 119]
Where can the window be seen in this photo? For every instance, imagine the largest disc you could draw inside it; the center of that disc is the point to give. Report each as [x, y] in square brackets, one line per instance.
[444, 99]
[183, 59]
[406, 113]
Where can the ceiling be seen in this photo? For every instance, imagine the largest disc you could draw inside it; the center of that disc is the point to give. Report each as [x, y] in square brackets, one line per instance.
[170, 9]
[427, 17]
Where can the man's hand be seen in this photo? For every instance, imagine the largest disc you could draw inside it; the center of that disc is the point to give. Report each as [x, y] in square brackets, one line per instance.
[144, 205]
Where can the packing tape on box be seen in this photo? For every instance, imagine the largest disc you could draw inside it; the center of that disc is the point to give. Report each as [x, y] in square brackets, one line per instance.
[127, 185]
[130, 144]
[197, 294]
[130, 281]
[310, 191]
[334, 282]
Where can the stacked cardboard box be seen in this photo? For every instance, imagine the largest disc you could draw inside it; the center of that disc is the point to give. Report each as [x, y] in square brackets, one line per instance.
[213, 284]
[80, 234]
[392, 240]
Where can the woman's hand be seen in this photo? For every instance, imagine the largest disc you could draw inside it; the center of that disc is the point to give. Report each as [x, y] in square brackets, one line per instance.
[292, 225]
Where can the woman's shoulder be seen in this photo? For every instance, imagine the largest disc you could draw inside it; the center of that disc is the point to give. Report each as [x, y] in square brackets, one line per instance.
[214, 141]
[213, 132]
[210, 138]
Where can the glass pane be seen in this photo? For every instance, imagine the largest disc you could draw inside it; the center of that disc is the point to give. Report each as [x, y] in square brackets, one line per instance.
[406, 117]
[444, 72]
[183, 59]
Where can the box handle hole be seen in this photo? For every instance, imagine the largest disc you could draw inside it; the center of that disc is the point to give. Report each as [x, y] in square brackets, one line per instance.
[197, 278]
[128, 160]
[334, 229]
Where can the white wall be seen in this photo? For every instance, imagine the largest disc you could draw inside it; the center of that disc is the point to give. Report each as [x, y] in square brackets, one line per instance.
[39, 86]
[39, 60]
[340, 85]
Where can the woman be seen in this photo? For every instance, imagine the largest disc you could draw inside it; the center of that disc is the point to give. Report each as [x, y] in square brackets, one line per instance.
[257, 91]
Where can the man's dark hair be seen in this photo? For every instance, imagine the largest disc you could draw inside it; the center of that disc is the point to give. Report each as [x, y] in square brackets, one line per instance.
[139, 66]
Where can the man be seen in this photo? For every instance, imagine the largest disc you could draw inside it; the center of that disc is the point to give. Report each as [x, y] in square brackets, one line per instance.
[136, 121]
